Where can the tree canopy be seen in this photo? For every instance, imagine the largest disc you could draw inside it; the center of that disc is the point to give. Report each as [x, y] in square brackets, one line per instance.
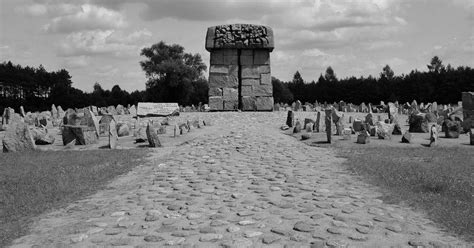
[173, 75]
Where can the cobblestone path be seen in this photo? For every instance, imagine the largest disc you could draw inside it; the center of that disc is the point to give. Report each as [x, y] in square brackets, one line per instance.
[240, 184]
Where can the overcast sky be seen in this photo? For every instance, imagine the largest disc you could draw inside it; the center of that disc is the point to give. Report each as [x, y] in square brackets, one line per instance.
[100, 40]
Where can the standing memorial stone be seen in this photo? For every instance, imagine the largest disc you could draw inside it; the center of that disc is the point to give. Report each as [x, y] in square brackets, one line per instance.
[309, 127]
[346, 133]
[369, 119]
[239, 72]
[297, 128]
[471, 134]
[337, 118]
[350, 119]
[18, 138]
[433, 135]
[307, 121]
[290, 118]
[113, 136]
[363, 138]
[392, 111]
[406, 138]
[318, 122]
[152, 136]
[60, 112]
[54, 112]
[328, 120]
[468, 107]
[297, 105]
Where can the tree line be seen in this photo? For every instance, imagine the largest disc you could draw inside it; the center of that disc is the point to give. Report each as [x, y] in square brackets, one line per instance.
[440, 83]
[176, 76]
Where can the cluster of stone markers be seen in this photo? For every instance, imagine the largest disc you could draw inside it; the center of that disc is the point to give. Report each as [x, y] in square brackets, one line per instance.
[430, 119]
[25, 131]
[239, 73]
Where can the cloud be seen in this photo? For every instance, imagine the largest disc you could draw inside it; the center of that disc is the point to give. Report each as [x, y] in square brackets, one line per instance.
[48, 8]
[88, 17]
[77, 62]
[382, 44]
[97, 42]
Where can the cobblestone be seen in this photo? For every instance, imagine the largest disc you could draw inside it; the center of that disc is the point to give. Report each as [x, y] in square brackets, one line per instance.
[239, 183]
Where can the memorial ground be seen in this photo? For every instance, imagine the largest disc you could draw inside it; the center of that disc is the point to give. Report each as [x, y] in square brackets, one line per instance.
[240, 183]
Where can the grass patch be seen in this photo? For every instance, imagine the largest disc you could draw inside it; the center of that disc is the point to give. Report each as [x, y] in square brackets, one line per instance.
[32, 183]
[440, 181]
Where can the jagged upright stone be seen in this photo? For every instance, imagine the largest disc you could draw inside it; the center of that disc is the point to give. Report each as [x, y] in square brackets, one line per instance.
[239, 72]
[18, 138]
[113, 136]
[152, 136]
[328, 120]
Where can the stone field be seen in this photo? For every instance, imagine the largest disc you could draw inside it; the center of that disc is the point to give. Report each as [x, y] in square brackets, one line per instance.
[242, 182]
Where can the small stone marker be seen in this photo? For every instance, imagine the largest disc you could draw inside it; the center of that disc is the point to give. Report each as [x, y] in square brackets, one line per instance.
[357, 125]
[346, 133]
[123, 129]
[113, 136]
[471, 134]
[452, 128]
[309, 127]
[433, 136]
[306, 121]
[406, 138]
[297, 128]
[397, 130]
[152, 136]
[384, 130]
[305, 136]
[328, 121]
[290, 118]
[363, 138]
[83, 135]
[350, 119]
[318, 122]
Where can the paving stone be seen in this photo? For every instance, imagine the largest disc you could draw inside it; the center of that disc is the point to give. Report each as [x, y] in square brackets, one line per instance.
[210, 237]
[270, 239]
[303, 227]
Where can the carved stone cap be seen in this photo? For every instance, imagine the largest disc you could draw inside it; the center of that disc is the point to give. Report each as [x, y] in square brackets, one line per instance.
[239, 36]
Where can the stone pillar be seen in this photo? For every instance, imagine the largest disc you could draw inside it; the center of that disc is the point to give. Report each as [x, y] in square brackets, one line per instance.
[468, 107]
[239, 73]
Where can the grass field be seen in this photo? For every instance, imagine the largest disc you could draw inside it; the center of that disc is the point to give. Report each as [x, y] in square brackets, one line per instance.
[32, 183]
[438, 181]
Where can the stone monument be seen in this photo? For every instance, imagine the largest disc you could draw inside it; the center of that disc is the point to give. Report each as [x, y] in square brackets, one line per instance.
[239, 73]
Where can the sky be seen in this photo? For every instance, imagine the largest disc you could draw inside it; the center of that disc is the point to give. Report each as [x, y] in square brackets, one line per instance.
[100, 40]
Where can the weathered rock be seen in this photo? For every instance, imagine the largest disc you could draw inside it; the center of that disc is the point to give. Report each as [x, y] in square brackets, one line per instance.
[397, 130]
[140, 135]
[18, 138]
[471, 135]
[104, 124]
[152, 136]
[433, 135]
[452, 128]
[123, 129]
[113, 136]
[418, 123]
[328, 121]
[309, 127]
[318, 123]
[307, 121]
[41, 136]
[290, 118]
[297, 128]
[357, 125]
[363, 138]
[306, 136]
[369, 119]
[406, 138]
[384, 131]
[83, 135]
[346, 133]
